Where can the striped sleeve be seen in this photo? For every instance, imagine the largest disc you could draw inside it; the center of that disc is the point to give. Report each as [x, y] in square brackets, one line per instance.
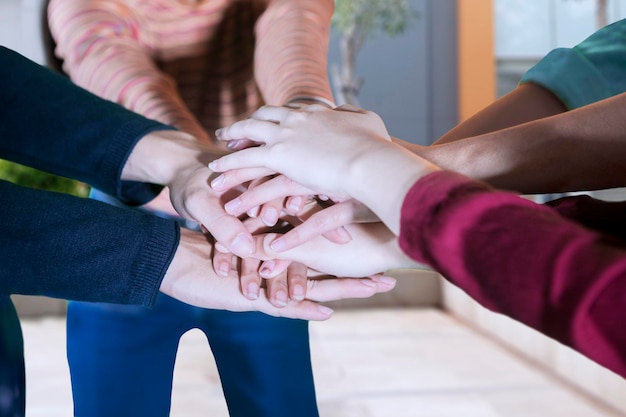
[107, 50]
[292, 50]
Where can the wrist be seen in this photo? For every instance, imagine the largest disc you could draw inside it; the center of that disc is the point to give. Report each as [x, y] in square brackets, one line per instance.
[381, 179]
[311, 100]
[161, 155]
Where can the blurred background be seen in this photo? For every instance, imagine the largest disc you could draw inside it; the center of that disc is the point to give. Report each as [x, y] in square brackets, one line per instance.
[423, 65]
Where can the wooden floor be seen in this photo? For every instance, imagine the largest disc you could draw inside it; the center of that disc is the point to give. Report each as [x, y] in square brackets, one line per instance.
[367, 363]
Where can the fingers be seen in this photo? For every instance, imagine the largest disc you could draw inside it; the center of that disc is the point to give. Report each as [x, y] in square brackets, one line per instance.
[245, 158]
[222, 262]
[302, 310]
[332, 289]
[275, 189]
[249, 278]
[230, 232]
[230, 179]
[259, 131]
[329, 221]
[297, 280]
[278, 290]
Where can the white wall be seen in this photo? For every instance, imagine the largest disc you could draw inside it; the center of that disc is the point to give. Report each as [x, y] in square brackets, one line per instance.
[20, 27]
[532, 28]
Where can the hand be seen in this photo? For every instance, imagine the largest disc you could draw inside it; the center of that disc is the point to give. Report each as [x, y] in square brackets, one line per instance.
[190, 279]
[319, 221]
[296, 280]
[343, 153]
[314, 146]
[178, 161]
[372, 250]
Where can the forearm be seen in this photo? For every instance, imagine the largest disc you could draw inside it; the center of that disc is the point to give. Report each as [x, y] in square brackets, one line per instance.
[292, 50]
[578, 150]
[107, 53]
[526, 103]
[67, 142]
[63, 246]
[523, 260]
[381, 178]
[161, 156]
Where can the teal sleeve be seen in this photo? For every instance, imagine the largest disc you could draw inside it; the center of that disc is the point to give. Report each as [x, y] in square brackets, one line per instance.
[591, 71]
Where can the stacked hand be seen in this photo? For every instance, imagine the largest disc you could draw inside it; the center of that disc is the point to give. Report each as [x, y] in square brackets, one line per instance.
[179, 162]
[317, 152]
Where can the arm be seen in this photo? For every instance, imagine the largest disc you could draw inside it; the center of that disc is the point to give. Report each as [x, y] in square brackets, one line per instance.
[106, 50]
[565, 79]
[67, 139]
[67, 247]
[292, 50]
[512, 255]
[582, 149]
[523, 260]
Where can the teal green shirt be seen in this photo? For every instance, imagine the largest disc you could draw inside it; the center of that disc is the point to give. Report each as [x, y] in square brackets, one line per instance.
[591, 71]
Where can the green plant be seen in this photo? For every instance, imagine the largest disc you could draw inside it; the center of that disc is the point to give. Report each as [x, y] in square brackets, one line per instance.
[29, 177]
[356, 21]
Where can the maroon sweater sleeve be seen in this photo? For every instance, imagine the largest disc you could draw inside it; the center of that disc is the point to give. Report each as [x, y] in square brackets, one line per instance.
[523, 260]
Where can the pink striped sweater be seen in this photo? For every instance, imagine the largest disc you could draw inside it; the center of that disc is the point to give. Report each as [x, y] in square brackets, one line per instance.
[195, 64]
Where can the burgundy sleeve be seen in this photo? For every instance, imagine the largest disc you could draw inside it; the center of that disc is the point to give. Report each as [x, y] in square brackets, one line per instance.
[523, 260]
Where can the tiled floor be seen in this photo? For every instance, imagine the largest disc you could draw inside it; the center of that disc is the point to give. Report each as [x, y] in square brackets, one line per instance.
[374, 363]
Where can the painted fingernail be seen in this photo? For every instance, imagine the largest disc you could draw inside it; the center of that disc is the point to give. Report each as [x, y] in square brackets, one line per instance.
[212, 165]
[242, 245]
[281, 298]
[270, 216]
[298, 293]
[217, 182]
[231, 206]
[278, 245]
[253, 291]
[218, 133]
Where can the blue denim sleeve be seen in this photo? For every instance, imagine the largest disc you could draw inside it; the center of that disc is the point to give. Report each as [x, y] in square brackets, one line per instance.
[591, 71]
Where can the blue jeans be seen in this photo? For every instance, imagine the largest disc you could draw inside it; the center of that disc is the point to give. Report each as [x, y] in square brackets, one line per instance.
[122, 358]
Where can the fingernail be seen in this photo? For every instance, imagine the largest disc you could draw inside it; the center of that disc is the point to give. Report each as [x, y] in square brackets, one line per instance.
[278, 245]
[232, 205]
[270, 216]
[242, 245]
[212, 165]
[266, 269]
[294, 204]
[221, 248]
[368, 282]
[343, 234]
[224, 269]
[218, 133]
[387, 280]
[254, 212]
[327, 311]
[217, 182]
[298, 293]
[281, 298]
[253, 290]
[233, 144]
